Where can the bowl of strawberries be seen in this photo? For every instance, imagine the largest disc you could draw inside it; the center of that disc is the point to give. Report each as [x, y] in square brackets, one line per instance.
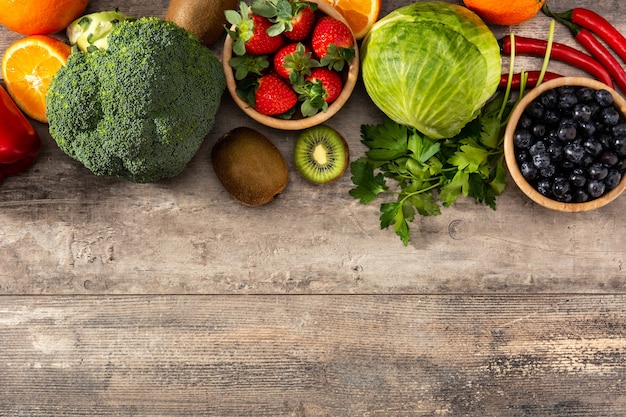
[289, 64]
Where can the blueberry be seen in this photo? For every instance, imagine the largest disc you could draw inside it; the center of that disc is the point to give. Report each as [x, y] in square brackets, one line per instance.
[604, 98]
[588, 128]
[560, 187]
[574, 152]
[619, 129]
[535, 110]
[539, 130]
[598, 171]
[541, 160]
[537, 148]
[566, 132]
[555, 150]
[580, 196]
[525, 122]
[619, 145]
[528, 170]
[609, 116]
[521, 155]
[608, 158]
[577, 177]
[595, 188]
[585, 94]
[522, 138]
[548, 171]
[592, 146]
[587, 160]
[565, 198]
[582, 112]
[612, 179]
[621, 165]
[567, 101]
[544, 187]
[549, 99]
[605, 140]
[551, 117]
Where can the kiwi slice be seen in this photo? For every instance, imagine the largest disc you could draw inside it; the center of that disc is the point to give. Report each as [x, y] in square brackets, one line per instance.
[249, 166]
[321, 154]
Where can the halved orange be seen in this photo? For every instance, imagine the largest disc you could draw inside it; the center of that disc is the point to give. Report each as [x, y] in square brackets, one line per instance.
[360, 14]
[28, 66]
[505, 13]
[39, 17]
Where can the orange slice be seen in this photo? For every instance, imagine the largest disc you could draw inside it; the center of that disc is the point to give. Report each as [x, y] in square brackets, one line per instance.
[28, 66]
[360, 14]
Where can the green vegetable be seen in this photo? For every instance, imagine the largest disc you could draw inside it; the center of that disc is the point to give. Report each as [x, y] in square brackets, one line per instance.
[139, 109]
[92, 31]
[432, 66]
[428, 173]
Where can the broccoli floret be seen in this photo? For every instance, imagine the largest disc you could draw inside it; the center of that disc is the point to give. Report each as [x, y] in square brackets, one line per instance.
[141, 108]
[91, 32]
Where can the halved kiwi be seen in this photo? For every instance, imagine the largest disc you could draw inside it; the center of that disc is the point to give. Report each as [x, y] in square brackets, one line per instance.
[249, 166]
[321, 154]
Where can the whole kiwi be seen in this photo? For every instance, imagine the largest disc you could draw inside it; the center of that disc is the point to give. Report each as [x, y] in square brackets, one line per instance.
[203, 18]
[249, 166]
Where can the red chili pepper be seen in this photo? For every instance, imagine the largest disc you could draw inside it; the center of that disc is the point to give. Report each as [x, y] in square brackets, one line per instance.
[595, 23]
[588, 41]
[19, 141]
[560, 52]
[533, 77]
[599, 52]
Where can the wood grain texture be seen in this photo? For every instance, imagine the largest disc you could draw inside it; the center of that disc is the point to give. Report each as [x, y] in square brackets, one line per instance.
[172, 299]
[66, 231]
[313, 356]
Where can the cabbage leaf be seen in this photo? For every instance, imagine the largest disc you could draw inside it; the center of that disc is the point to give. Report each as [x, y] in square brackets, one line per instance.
[432, 66]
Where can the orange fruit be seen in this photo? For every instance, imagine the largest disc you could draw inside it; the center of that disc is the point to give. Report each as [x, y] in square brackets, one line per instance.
[360, 14]
[39, 17]
[28, 66]
[501, 12]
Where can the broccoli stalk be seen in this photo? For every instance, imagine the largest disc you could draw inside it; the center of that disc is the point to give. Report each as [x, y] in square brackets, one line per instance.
[91, 32]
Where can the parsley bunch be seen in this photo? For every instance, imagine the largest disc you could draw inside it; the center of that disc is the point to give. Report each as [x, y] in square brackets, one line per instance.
[430, 173]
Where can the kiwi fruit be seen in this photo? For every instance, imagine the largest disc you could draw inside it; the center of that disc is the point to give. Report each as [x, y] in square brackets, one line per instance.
[203, 18]
[249, 166]
[321, 154]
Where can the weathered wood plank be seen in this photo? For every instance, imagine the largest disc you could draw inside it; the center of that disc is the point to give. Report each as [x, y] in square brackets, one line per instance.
[313, 356]
[65, 231]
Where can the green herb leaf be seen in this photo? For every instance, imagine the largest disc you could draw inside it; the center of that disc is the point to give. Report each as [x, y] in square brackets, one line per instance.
[368, 185]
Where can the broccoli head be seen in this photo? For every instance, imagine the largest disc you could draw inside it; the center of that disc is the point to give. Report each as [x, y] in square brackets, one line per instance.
[139, 109]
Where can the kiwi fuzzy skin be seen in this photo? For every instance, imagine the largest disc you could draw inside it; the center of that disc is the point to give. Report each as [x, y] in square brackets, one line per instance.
[249, 166]
[306, 164]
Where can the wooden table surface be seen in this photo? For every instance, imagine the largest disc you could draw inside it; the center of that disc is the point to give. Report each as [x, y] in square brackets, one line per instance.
[172, 299]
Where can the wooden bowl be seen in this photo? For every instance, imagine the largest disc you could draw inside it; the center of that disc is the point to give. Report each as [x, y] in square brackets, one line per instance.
[300, 123]
[509, 151]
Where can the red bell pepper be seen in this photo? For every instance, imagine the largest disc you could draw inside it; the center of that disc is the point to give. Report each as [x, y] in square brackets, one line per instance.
[19, 141]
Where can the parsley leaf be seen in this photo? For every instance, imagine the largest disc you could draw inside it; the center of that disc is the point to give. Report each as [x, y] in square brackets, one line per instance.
[368, 186]
[428, 173]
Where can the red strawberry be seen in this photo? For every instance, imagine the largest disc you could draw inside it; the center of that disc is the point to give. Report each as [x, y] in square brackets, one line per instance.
[301, 24]
[274, 96]
[293, 62]
[251, 33]
[293, 18]
[322, 87]
[331, 82]
[332, 42]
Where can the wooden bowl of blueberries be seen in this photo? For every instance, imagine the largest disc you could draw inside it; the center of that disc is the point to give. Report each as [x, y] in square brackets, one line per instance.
[565, 144]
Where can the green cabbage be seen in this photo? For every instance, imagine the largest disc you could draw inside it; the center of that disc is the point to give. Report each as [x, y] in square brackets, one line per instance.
[432, 66]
